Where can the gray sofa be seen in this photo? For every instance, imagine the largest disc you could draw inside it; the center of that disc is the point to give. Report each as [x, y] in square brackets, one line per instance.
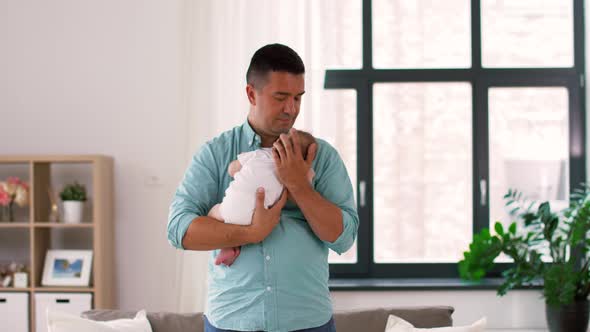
[370, 320]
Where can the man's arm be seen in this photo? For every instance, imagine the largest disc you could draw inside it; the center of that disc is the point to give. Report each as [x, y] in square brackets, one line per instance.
[188, 224]
[206, 233]
[324, 217]
[330, 211]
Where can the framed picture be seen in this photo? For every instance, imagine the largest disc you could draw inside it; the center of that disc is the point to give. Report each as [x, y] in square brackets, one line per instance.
[67, 268]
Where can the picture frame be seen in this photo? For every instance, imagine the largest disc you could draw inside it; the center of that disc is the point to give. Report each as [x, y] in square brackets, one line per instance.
[67, 268]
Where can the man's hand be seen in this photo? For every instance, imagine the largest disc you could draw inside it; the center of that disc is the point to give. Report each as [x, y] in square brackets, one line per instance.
[292, 169]
[264, 220]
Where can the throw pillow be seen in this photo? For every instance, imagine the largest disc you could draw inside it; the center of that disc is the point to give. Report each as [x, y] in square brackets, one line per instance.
[396, 324]
[58, 321]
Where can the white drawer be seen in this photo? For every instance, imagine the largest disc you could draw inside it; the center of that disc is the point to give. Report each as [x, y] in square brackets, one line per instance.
[14, 312]
[74, 303]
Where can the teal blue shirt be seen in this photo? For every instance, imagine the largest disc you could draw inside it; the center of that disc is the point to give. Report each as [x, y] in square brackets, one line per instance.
[280, 284]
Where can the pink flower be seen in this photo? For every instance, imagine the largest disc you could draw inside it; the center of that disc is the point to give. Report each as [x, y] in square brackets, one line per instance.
[12, 185]
[4, 197]
[22, 197]
[24, 185]
[13, 180]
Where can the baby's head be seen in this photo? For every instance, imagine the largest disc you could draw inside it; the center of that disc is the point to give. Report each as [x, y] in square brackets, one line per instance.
[305, 139]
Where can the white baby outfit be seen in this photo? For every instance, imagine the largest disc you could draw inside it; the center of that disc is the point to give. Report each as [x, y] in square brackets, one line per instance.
[258, 170]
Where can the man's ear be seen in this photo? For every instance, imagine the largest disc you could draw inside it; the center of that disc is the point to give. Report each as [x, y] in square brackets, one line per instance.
[251, 93]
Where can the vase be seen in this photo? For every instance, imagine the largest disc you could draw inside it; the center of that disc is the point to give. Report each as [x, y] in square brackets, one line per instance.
[10, 212]
[572, 317]
[73, 211]
[7, 213]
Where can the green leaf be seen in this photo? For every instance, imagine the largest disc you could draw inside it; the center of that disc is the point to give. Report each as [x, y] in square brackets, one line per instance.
[512, 228]
[498, 228]
[560, 284]
[561, 232]
[73, 192]
[530, 206]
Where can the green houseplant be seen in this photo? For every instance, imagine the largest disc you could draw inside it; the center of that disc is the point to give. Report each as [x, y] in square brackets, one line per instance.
[73, 197]
[566, 280]
[73, 192]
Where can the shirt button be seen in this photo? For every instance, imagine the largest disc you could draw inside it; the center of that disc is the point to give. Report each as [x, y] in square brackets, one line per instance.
[268, 288]
[267, 258]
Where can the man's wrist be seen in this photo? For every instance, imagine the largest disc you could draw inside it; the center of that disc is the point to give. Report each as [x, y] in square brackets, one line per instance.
[300, 189]
[250, 234]
[242, 234]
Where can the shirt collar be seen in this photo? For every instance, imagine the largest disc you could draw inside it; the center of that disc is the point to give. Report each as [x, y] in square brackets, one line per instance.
[250, 134]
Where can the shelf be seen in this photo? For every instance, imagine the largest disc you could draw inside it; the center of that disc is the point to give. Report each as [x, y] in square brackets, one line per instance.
[51, 158]
[14, 224]
[13, 289]
[63, 289]
[28, 240]
[15, 244]
[62, 225]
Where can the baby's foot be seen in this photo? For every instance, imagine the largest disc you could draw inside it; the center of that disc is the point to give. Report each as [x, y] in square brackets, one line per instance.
[227, 256]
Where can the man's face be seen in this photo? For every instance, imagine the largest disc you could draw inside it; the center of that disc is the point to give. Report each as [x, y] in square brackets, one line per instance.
[275, 106]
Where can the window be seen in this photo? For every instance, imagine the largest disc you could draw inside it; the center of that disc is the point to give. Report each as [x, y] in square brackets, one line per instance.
[528, 147]
[527, 33]
[421, 34]
[455, 103]
[422, 168]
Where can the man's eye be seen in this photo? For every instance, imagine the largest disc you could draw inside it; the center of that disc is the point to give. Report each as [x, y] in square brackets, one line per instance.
[297, 99]
[280, 98]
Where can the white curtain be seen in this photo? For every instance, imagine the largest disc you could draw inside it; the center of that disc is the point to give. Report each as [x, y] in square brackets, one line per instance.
[219, 39]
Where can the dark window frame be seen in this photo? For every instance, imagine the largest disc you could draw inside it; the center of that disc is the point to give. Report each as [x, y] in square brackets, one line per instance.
[481, 80]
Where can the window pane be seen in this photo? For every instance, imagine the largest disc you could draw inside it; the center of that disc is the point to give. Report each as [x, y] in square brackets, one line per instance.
[331, 115]
[336, 41]
[422, 172]
[421, 34]
[528, 147]
[527, 33]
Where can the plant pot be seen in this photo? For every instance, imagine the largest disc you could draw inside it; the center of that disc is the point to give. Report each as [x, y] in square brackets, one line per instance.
[73, 211]
[4, 214]
[568, 318]
[7, 213]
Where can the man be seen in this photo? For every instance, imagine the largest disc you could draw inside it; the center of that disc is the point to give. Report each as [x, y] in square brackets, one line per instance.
[280, 280]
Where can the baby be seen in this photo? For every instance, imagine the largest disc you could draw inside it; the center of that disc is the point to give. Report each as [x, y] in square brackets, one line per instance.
[250, 171]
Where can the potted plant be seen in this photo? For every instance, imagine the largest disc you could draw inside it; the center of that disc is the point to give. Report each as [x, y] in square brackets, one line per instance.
[73, 197]
[566, 280]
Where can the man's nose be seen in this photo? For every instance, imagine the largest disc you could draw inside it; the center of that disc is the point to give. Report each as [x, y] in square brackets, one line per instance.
[290, 106]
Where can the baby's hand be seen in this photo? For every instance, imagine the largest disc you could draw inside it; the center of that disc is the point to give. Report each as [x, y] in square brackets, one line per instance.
[310, 175]
[234, 167]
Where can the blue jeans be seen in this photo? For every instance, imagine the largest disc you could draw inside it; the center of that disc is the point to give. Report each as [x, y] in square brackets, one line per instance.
[328, 327]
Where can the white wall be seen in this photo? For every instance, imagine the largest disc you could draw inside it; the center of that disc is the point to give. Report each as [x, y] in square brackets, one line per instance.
[104, 77]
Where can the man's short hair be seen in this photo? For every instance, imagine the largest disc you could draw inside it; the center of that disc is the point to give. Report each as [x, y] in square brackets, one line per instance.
[273, 57]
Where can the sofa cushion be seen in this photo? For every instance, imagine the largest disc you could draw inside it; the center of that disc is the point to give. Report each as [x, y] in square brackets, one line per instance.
[58, 321]
[368, 320]
[160, 321]
[396, 324]
[374, 320]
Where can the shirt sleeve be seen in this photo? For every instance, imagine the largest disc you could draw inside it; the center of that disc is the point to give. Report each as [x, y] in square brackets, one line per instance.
[195, 195]
[333, 183]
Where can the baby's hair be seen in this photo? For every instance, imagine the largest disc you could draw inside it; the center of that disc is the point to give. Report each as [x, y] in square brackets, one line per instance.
[306, 139]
